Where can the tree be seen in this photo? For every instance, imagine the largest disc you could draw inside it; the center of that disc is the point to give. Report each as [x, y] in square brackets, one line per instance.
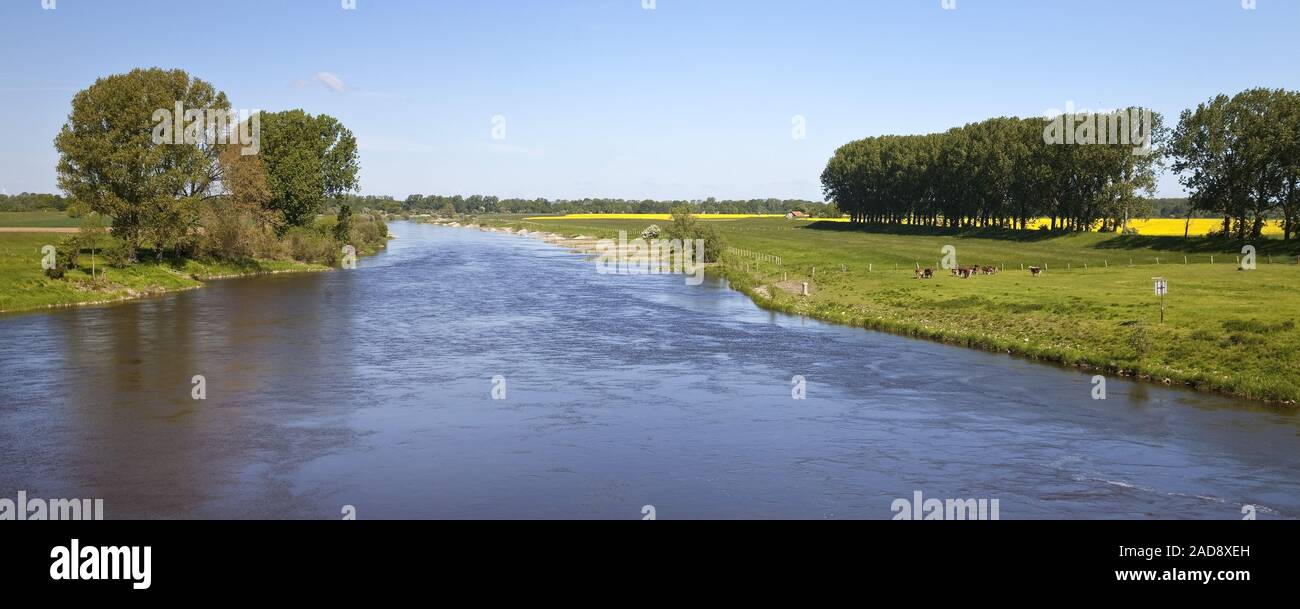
[1238, 157]
[307, 159]
[111, 161]
[92, 236]
[343, 224]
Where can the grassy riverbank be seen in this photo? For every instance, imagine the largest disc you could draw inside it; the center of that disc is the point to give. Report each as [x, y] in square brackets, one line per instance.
[1225, 330]
[24, 286]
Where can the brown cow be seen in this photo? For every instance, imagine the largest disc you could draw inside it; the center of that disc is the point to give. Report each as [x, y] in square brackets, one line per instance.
[1035, 271]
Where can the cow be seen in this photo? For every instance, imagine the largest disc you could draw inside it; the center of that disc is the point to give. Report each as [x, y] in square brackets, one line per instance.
[1035, 271]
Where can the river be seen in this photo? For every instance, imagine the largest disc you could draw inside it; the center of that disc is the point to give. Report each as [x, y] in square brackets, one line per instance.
[373, 388]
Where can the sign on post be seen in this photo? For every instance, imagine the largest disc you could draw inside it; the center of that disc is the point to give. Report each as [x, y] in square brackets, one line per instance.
[1162, 288]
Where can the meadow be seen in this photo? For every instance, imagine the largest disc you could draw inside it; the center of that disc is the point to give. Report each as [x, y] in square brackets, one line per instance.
[24, 286]
[37, 219]
[1225, 330]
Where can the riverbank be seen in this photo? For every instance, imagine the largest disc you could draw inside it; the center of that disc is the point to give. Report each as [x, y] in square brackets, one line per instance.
[24, 286]
[1225, 330]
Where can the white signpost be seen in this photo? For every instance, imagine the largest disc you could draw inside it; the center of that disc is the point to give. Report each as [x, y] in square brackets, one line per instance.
[1162, 288]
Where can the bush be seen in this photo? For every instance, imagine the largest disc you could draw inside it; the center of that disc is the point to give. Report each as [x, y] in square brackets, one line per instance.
[226, 234]
[685, 227]
[343, 224]
[650, 232]
[67, 252]
[118, 253]
[312, 245]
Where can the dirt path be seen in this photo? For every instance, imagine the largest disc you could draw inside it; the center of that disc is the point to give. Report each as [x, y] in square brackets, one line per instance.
[39, 229]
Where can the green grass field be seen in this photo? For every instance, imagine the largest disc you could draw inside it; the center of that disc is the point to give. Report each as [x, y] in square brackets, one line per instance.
[24, 286]
[37, 219]
[1225, 330]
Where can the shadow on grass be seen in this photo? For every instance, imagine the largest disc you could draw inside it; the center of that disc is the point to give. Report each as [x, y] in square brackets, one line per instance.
[178, 263]
[1001, 234]
[1201, 245]
[1196, 245]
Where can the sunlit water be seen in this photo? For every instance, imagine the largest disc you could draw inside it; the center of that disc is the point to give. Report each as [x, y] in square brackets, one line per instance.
[372, 388]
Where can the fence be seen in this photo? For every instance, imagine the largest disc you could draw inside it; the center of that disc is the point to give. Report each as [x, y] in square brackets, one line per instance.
[755, 256]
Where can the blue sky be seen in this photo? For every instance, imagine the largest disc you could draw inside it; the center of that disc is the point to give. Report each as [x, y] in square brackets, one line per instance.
[692, 99]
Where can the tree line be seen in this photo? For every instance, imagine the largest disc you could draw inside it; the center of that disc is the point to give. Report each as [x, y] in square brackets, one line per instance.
[31, 201]
[1001, 173]
[479, 204]
[1239, 157]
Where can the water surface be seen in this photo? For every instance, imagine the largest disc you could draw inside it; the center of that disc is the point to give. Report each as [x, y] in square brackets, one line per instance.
[372, 388]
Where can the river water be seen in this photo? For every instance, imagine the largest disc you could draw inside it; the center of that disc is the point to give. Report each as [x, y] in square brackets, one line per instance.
[373, 388]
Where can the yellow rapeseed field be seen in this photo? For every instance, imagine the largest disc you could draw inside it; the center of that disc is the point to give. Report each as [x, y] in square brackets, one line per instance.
[1155, 227]
[660, 217]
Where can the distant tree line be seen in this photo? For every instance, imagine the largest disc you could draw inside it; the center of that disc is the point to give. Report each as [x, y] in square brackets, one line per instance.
[30, 201]
[1002, 173]
[1238, 156]
[479, 204]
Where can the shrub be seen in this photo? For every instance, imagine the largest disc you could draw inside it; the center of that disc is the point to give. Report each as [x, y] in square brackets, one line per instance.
[343, 224]
[650, 232]
[685, 227]
[67, 252]
[311, 245]
[118, 253]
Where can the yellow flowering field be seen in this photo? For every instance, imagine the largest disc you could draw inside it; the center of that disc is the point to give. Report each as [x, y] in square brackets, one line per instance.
[1155, 227]
[658, 217]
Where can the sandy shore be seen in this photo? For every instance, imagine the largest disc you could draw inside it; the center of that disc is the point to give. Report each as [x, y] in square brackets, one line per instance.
[580, 243]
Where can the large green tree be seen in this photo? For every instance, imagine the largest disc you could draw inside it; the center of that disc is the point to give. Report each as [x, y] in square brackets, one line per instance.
[1240, 158]
[307, 159]
[111, 161]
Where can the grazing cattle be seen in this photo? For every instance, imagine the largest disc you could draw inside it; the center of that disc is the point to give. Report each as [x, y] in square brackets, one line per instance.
[1035, 271]
[927, 273]
[966, 273]
[989, 270]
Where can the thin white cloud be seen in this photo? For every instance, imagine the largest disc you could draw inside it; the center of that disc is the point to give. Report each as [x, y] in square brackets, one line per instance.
[333, 82]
